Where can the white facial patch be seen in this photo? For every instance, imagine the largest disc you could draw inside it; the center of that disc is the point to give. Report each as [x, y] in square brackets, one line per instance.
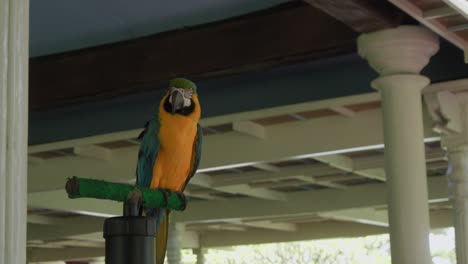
[187, 102]
[187, 95]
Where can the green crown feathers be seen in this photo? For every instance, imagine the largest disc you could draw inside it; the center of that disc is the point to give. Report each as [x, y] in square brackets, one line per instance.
[183, 83]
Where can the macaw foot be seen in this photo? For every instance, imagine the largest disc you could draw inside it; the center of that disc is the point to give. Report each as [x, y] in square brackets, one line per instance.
[182, 198]
[135, 196]
[166, 193]
[133, 204]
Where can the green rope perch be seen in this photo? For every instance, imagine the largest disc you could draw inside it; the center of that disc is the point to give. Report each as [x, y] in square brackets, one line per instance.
[89, 188]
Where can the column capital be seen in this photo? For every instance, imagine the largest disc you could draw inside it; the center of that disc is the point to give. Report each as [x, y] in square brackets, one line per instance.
[449, 113]
[405, 49]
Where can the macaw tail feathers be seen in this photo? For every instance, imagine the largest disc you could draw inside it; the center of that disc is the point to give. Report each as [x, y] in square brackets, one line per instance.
[161, 238]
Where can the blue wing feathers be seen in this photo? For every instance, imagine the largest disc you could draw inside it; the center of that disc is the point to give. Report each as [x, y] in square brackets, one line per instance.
[148, 152]
[149, 148]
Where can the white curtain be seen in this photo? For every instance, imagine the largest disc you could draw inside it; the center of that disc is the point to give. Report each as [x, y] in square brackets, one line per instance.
[14, 40]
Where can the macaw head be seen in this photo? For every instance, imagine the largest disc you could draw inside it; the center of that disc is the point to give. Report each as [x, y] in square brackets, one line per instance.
[180, 94]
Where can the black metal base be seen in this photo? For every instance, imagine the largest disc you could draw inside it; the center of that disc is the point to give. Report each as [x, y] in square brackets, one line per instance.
[130, 240]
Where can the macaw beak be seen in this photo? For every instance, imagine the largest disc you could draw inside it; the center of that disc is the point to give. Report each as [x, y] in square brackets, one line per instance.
[177, 101]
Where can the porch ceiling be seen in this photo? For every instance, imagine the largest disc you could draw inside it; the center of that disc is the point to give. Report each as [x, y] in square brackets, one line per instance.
[316, 170]
[58, 26]
[302, 180]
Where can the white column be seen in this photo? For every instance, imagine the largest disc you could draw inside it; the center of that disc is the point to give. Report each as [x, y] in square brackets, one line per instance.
[458, 184]
[174, 243]
[200, 253]
[398, 55]
[450, 114]
[14, 38]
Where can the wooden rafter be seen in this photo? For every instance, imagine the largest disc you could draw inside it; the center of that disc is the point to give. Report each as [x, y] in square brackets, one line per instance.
[361, 15]
[261, 40]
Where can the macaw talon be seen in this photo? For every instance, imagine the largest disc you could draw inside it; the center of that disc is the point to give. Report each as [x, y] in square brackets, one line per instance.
[150, 212]
[182, 198]
[135, 196]
[133, 205]
[140, 211]
[166, 193]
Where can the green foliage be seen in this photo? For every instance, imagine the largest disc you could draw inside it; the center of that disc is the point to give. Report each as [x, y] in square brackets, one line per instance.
[373, 249]
[362, 250]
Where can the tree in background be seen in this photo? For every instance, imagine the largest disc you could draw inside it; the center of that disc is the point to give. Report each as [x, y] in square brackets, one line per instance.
[373, 249]
[362, 250]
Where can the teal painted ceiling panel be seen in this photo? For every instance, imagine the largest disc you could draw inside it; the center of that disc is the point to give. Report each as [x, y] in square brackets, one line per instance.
[64, 25]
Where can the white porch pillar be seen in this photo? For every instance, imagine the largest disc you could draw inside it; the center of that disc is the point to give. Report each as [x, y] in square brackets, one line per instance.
[14, 40]
[458, 184]
[200, 253]
[450, 115]
[398, 55]
[174, 243]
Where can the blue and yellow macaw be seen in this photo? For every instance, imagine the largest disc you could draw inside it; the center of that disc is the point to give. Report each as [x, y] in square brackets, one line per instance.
[170, 150]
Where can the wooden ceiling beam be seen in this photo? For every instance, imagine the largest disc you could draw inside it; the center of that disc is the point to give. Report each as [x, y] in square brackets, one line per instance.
[282, 35]
[361, 15]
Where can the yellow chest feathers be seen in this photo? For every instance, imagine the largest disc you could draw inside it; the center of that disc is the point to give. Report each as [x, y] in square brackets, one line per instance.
[174, 161]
